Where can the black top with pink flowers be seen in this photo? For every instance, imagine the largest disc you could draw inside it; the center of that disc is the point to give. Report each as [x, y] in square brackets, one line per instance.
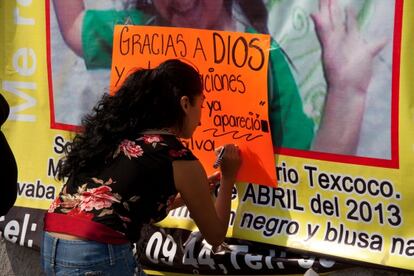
[112, 204]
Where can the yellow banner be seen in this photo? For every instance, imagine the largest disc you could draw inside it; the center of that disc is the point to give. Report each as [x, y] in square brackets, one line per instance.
[352, 207]
[356, 207]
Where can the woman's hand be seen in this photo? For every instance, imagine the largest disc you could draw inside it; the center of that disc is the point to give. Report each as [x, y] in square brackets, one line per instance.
[230, 162]
[213, 180]
[347, 58]
[348, 65]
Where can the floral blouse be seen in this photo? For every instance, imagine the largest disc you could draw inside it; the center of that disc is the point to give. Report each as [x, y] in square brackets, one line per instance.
[135, 188]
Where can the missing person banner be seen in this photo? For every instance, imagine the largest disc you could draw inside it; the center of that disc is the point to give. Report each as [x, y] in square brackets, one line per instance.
[340, 116]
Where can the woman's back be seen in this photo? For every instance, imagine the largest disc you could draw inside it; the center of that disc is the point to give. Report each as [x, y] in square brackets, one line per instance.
[135, 186]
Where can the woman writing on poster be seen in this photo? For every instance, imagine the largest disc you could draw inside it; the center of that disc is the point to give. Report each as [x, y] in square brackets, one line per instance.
[126, 169]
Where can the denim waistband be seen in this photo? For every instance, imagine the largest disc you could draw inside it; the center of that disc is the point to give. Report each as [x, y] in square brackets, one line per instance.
[82, 252]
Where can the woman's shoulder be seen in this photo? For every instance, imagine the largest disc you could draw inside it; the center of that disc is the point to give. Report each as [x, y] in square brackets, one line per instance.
[154, 144]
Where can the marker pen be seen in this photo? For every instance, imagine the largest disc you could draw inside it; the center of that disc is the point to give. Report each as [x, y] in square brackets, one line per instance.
[217, 163]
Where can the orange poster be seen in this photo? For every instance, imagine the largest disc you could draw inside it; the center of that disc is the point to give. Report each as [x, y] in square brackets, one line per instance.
[233, 67]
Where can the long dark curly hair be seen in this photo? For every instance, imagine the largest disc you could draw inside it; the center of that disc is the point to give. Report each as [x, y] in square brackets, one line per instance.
[148, 99]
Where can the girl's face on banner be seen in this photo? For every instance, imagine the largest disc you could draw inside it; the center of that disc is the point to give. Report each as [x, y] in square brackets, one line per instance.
[200, 14]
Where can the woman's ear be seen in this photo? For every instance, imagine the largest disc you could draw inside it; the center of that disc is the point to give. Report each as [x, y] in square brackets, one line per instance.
[185, 103]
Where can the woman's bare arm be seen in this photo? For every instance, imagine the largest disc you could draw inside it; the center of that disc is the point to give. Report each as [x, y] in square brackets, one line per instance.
[69, 14]
[211, 218]
[212, 181]
[348, 67]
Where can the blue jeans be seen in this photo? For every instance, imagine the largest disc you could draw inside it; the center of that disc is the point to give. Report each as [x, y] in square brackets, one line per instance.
[79, 257]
